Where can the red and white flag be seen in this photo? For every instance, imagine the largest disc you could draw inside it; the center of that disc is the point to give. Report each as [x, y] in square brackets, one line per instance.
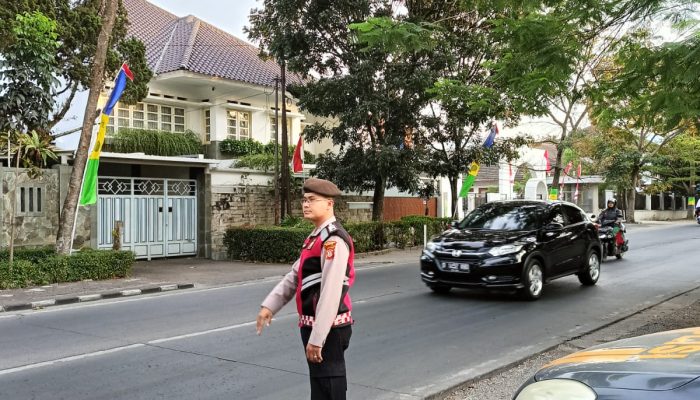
[547, 166]
[298, 158]
[510, 174]
[578, 179]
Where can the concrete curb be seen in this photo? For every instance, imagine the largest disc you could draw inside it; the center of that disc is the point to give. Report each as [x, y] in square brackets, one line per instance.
[36, 305]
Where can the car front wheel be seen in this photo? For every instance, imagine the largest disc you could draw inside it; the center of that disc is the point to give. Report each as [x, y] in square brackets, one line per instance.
[591, 271]
[533, 279]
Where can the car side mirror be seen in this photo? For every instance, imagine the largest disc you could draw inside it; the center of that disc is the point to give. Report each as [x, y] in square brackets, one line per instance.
[454, 224]
[554, 226]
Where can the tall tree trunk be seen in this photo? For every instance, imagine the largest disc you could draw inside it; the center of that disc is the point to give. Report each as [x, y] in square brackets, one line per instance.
[631, 195]
[453, 197]
[378, 198]
[65, 228]
[286, 205]
[691, 189]
[557, 164]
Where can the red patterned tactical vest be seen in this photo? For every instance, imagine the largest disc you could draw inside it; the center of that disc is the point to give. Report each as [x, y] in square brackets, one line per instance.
[309, 277]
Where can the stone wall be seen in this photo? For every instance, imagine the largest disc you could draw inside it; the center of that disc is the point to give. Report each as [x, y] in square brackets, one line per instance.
[346, 214]
[39, 227]
[249, 205]
[32, 227]
[238, 206]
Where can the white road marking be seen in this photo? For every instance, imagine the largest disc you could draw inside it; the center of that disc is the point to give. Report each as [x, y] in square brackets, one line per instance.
[195, 334]
[104, 302]
[131, 346]
[68, 359]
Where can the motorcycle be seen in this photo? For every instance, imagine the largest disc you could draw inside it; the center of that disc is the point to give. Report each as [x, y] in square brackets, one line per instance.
[697, 215]
[613, 240]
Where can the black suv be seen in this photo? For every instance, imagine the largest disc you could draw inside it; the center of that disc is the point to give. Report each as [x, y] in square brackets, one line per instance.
[516, 244]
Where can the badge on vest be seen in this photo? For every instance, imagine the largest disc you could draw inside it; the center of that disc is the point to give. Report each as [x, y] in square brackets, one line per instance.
[310, 244]
[329, 247]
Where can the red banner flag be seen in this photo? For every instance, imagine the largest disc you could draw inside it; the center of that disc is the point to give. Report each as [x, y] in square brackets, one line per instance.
[298, 158]
[578, 178]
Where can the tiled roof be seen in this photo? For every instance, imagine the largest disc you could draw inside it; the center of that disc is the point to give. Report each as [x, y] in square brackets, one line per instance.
[487, 173]
[188, 43]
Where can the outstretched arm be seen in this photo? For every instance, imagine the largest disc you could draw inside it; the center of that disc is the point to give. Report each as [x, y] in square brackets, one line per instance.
[278, 297]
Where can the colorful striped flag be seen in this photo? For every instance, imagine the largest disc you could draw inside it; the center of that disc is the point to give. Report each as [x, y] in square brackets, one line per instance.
[474, 166]
[88, 193]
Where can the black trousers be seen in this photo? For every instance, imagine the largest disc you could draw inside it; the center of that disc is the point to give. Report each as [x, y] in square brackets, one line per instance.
[328, 379]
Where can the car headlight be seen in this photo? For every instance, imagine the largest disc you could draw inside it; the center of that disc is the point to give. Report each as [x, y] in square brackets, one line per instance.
[431, 246]
[557, 389]
[503, 250]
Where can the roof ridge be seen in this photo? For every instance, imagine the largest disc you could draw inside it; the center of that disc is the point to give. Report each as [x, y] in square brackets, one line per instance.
[190, 43]
[166, 46]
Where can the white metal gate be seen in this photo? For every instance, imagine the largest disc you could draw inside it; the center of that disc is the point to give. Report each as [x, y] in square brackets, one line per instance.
[159, 215]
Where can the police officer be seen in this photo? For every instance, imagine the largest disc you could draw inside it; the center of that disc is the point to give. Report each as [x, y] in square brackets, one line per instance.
[319, 281]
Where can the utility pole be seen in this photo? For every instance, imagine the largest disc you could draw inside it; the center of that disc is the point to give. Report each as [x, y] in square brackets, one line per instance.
[286, 205]
[693, 190]
[277, 165]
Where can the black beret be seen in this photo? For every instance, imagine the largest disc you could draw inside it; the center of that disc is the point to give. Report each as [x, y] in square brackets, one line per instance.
[322, 187]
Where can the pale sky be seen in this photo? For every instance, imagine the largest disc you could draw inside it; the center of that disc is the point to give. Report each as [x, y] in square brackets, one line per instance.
[230, 16]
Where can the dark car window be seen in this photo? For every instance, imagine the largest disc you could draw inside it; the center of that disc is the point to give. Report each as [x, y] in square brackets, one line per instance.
[573, 215]
[556, 216]
[504, 216]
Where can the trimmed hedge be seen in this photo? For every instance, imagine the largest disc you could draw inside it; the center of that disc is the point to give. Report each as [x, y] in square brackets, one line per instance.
[282, 244]
[53, 268]
[266, 244]
[34, 255]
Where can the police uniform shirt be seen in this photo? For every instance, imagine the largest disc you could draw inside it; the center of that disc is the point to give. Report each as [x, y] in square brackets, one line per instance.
[332, 278]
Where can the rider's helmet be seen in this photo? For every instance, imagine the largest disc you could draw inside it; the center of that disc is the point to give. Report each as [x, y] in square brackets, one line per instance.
[613, 201]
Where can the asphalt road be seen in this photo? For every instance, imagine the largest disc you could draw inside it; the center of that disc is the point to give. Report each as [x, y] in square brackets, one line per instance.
[407, 342]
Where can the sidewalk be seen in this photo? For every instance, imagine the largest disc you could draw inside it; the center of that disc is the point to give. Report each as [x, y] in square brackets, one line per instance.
[171, 274]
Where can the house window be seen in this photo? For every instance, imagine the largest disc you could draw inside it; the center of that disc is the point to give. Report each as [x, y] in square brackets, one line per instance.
[147, 116]
[238, 124]
[273, 128]
[207, 126]
[30, 199]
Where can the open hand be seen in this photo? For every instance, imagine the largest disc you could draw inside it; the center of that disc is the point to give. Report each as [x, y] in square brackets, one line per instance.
[264, 319]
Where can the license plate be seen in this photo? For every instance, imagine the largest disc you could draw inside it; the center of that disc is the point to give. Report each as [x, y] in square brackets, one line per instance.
[453, 266]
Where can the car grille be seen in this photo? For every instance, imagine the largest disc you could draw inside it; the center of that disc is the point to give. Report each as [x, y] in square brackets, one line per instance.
[463, 255]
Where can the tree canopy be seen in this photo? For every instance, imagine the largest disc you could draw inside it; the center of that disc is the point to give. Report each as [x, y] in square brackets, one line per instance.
[77, 24]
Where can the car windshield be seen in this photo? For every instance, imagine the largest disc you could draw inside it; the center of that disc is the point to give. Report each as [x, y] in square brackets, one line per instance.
[503, 217]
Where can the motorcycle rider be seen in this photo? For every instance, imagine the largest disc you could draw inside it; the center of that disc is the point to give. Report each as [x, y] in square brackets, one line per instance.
[612, 216]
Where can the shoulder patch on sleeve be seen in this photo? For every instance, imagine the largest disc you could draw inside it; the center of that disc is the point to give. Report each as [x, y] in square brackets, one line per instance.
[329, 247]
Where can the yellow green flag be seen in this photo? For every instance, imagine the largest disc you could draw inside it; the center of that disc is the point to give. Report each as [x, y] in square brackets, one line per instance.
[469, 179]
[88, 194]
